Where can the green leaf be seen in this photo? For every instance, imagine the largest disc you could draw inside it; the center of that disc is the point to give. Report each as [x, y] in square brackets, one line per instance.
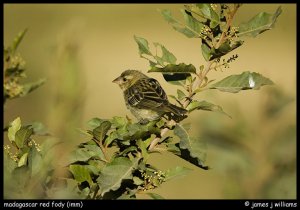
[155, 196]
[192, 22]
[100, 132]
[81, 173]
[81, 154]
[176, 172]
[173, 68]
[119, 121]
[143, 147]
[23, 160]
[39, 128]
[191, 149]
[212, 53]
[8, 164]
[37, 163]
[14, 127]
[259, 24]
[143, 45]
[94, 122]
[244, 81]
[115, 172]
[210, 14]
[29, 87]
[184, 29]
[95, 151]
[224, 49]
[180, 94]
[23, 135]
[127, 150]
[18, 40]
[137, 180]
[204, 105]
[206, 52]
[167, 56]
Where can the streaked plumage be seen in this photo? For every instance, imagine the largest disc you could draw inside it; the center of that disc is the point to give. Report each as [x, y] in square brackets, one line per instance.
[145, 98]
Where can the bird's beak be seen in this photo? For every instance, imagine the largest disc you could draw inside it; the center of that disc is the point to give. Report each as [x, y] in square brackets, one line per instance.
[117, 80]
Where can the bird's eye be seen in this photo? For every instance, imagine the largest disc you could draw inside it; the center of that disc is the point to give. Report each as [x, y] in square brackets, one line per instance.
[124, 79]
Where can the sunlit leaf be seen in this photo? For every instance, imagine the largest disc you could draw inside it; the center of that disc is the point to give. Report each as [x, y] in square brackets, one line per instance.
[81, 154]
[23, 135]
[178, 26]
[167, 56]
[206, 52]
[259, 24]
[143, 45]
[118, 121]
[8, 164]
[192, 150]
[137, 180]
[23, 160]
[94, 122]
[192, 22]
[244, 81]
[204, 105]
[39, 128]
[18, 40]
[225, 48]
[100, 132]
[95, 151]
[127, 150]
[115, 172]
[176, 172]
[29, 87]
[36, 163]
[143, 147]
[81, 173]
[14, 127]
[208, 12]
[180, 94]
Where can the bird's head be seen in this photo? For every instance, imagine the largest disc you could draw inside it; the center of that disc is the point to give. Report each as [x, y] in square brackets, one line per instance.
[128, 78]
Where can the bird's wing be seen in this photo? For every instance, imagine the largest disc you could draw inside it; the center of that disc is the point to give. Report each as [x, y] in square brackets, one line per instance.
[146, 94]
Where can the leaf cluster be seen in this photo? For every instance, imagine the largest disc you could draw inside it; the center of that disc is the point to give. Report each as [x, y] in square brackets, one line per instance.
[113, 163]
[14, 72]
[28, 165]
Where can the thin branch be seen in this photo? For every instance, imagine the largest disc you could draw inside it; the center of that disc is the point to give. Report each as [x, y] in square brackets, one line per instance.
[157, 139]
[102, 148]
[228, 24]
[198, 82]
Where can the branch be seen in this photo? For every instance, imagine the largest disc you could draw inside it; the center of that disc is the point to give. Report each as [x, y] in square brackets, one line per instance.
[228, 24]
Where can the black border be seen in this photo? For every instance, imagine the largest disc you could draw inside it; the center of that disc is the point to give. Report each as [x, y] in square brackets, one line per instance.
[154, 204]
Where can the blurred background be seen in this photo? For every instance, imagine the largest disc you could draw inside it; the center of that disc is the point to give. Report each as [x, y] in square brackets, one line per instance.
[81, 48]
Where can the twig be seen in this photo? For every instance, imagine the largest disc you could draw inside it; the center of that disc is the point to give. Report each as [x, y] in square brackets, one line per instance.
[157, 139]
[198, 82]
[102, 148]
[228, 24]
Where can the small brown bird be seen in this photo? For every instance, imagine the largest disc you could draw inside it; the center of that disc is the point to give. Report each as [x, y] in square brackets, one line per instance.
[145, 98]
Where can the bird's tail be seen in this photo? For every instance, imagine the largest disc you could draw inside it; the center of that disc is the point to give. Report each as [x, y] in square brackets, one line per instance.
[178, 111]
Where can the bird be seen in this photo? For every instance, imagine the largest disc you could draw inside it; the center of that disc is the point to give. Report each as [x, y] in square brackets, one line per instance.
[145, 97]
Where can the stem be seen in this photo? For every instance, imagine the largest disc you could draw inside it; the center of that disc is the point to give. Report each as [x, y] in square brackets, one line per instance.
[228, 24]
[103, 149]
[198, 82]
[163, 132]
[157, 139]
